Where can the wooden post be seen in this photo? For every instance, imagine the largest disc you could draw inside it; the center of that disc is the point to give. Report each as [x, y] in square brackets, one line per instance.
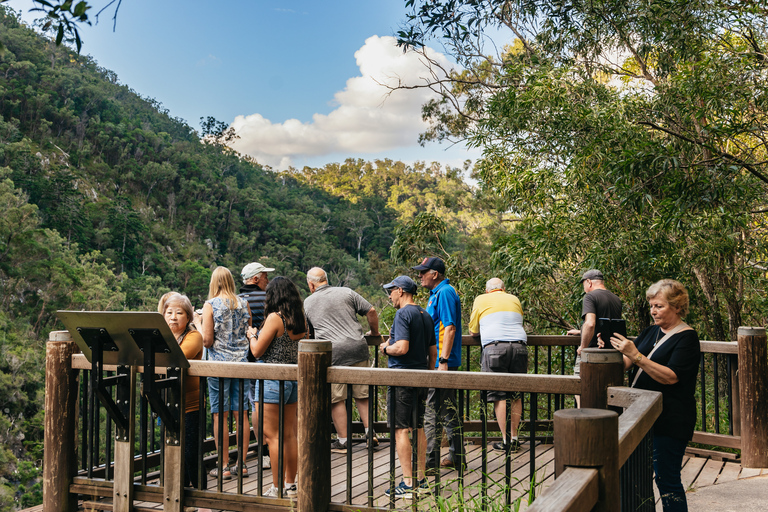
[314, 426]
[600, 369]
[753, 392]
[60, 448]
[590, 438]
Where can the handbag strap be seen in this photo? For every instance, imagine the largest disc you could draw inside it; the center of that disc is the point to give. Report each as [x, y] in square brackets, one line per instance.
[658, 344]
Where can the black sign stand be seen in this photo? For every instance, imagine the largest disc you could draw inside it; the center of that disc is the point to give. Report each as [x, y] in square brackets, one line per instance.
[131, 340]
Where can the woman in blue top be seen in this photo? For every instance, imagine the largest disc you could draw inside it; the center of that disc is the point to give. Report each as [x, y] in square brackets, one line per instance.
[224, 325]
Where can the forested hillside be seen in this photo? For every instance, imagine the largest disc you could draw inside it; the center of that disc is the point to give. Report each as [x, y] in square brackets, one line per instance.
[107, 202]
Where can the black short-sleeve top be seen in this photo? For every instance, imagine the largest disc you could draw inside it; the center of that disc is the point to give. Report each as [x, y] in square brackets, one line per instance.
[681, 353]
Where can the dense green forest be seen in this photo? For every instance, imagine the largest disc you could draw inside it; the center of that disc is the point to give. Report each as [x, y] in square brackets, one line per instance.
[107, 201]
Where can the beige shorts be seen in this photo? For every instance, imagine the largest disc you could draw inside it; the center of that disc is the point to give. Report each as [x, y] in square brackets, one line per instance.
[359, 391]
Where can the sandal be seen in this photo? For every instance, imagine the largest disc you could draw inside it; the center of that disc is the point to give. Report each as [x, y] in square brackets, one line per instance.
[233, 471]
[225, 475]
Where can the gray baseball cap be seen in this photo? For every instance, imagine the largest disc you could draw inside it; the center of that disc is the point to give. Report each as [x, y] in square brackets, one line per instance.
[592, 274]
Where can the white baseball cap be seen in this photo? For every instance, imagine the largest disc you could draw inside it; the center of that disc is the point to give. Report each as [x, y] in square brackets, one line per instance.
[253, 269]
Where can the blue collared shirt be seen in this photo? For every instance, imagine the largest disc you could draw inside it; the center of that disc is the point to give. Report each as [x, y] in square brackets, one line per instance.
[444, 307]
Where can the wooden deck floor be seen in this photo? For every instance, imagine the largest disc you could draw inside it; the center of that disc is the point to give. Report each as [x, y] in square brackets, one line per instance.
[697, 472]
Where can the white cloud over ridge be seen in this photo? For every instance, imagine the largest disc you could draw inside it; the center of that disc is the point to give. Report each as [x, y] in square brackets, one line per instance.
[367, 118]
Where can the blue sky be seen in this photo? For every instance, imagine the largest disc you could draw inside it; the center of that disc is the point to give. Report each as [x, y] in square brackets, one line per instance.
[297, 78]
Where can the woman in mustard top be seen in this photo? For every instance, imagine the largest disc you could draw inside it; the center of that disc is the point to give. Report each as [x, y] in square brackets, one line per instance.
[178, 313]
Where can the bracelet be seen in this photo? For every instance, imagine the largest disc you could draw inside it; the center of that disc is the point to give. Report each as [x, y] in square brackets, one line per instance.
[638, 358]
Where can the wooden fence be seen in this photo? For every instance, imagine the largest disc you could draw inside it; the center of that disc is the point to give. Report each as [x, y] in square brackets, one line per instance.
[582, 489]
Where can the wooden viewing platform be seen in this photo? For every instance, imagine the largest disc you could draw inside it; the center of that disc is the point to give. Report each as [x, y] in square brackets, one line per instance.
[697, 472]
[572, 474]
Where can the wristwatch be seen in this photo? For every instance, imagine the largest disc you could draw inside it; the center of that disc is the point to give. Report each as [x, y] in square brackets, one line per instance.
[639, 357]
[443, 360]
[385, 351]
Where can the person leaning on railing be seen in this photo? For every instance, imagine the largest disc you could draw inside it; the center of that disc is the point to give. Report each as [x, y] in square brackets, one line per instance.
[278, 343]
[665, 357]
[178, 313]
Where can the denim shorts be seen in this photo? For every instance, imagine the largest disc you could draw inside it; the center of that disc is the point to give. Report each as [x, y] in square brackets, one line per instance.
[272, 392]
[229, 389]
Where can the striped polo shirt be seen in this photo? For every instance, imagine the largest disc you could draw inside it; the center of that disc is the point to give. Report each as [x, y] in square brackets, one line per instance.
[497, 316]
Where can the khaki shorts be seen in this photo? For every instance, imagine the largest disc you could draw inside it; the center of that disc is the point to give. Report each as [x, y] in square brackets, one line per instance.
[359, 391]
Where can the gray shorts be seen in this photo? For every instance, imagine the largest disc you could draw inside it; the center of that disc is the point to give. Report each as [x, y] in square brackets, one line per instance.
[501, 357]
[577, 365]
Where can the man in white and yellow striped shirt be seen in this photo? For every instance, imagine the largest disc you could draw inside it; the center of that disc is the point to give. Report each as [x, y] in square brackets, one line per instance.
[497, 317]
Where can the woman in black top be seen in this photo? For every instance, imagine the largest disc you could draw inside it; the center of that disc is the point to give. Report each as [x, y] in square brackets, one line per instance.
[665, 357]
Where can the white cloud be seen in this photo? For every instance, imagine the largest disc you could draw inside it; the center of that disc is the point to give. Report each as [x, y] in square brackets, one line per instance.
[367, 118]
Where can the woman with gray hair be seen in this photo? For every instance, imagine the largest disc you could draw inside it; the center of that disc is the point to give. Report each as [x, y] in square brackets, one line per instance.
[178, 313]
[665, 357]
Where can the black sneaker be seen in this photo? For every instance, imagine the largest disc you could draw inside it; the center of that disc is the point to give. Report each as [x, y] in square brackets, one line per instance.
[338, 447]
[501, 446]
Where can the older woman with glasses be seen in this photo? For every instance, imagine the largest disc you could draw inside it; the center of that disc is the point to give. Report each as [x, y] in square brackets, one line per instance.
[665, 357]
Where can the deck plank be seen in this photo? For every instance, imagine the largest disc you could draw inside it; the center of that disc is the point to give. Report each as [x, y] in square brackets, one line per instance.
[729, 473]
[749, 472]
[709, 473]
[691, 470]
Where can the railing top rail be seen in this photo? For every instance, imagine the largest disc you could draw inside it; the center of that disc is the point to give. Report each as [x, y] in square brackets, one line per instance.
[566, 384]
[641, 409]
[555, 340]
[527, 383]
[576, 489]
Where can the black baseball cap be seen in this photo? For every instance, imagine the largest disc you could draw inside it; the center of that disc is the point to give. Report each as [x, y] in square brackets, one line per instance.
[433, 263]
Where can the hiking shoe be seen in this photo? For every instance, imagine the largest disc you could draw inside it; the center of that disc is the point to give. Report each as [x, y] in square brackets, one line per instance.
[338, 447]
[447, 463]
[290, 491]
[233, 471]
[401, 491]
[225, 474]
[375, 442]
[499, 445]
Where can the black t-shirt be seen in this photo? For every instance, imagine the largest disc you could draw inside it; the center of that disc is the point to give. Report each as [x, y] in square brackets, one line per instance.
[681, 353]
[414, 324]
[603, 304]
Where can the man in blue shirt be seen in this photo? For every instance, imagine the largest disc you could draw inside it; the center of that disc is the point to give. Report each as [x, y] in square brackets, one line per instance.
[444, 307]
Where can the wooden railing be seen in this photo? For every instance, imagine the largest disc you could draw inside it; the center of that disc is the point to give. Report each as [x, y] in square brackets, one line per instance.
[575, 489]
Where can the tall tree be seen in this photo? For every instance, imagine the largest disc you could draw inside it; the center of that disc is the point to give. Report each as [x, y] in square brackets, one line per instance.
[629, 135]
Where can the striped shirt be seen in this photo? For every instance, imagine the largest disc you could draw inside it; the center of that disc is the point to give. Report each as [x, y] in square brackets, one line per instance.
[497, 316]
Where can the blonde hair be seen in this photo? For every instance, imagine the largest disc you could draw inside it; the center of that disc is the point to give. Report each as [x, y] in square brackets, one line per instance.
[161, 303]
[174, 298]
[223, 285]
[673, 292]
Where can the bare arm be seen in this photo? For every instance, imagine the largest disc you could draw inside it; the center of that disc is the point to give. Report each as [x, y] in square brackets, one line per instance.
[373, 321]
[432, 356]
[447, 345]
[398, 348]
[587, 331]
[204, 324]
[271, 330]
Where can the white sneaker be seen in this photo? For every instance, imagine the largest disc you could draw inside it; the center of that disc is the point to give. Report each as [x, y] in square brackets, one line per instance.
[271, 493]
[290, 491]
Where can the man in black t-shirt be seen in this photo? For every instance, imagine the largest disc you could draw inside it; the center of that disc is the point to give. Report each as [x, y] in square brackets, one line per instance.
[412, 346]
[598, 303]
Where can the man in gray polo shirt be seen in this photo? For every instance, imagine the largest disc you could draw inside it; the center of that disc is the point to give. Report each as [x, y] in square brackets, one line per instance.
[332, 312]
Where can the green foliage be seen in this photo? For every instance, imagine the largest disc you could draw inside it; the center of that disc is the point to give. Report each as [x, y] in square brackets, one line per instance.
[627, 136]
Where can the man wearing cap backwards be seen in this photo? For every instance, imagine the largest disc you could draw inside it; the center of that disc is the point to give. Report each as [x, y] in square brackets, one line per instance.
[254, 288]
[411, 346]
[598, 303]
[332, 312]
[497, 318]
[444, 307]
